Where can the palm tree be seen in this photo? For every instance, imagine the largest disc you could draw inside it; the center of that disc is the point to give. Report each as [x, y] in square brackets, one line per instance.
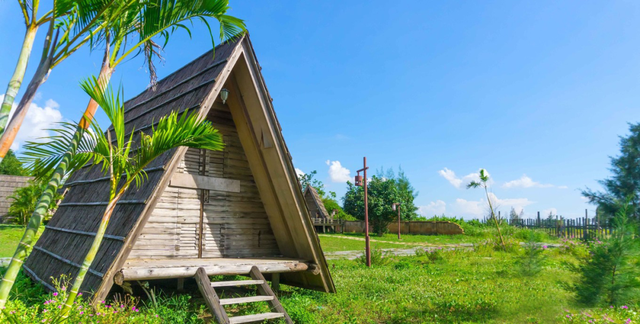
[124, 159]
[75, 19]
[484, 183]
[156, 18]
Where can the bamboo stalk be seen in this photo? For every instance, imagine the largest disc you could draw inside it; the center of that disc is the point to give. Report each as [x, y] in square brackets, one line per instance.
[18, 75]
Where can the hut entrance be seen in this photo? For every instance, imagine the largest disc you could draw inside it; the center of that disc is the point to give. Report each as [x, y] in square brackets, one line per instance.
[211, 208]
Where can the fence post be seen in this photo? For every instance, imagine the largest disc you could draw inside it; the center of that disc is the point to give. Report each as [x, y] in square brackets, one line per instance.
[586, 216]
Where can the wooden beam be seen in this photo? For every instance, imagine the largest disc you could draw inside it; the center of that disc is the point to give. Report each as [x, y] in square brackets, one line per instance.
[193, 181]
[151, 273]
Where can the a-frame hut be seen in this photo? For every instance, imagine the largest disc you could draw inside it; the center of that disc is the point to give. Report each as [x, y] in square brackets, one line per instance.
[314, 203]
[224, 211]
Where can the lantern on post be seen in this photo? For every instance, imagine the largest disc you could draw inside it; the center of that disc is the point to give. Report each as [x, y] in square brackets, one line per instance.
[358, 180]
[362, 182]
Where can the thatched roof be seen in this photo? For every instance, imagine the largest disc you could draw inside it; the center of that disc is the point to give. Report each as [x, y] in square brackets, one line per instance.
[316, 205]
[68, 236]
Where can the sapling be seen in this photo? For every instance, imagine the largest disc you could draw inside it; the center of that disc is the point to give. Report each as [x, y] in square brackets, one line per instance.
[533, 259]
[484, 183]
[610, 275]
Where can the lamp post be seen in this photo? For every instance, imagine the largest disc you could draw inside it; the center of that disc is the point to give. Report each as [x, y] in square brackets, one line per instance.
[360, 181]
[397, 206]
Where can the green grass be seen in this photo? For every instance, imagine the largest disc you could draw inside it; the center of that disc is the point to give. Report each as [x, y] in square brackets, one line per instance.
[9, 237]
[462, 287]
[458, 286]
[332, 243]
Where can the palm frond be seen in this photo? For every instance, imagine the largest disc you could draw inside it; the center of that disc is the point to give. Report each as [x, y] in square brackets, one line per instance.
[43, 156]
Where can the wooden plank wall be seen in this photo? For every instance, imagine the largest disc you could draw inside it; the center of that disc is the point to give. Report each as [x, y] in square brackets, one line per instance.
[8, 184]
[233, 224]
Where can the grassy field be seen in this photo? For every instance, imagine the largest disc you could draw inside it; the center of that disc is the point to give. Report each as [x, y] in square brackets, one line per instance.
[447, 286]
[9, 238]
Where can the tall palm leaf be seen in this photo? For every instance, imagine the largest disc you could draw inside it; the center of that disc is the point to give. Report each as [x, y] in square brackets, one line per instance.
[79, 13]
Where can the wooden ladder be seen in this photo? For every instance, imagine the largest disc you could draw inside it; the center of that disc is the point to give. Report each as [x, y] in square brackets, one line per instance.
[216, 305]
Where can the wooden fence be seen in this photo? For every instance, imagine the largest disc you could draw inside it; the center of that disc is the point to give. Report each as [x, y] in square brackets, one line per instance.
[577, 228]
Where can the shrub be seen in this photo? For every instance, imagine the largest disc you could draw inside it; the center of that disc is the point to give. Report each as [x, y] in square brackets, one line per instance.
[378, 257]
[533, 258]
[610, 275]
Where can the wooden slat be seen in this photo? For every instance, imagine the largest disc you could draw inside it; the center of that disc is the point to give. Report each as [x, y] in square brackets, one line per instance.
[243, 300]
[254, 318]
[193, 181]
[236, 283]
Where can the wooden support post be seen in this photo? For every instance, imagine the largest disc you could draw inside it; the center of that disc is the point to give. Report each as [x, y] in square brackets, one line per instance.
[275, 283]
[210, 297]
[181, 284]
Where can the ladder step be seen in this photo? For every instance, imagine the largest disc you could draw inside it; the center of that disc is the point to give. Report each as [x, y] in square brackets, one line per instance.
[236, 283]
[254, 318]
[240, 300]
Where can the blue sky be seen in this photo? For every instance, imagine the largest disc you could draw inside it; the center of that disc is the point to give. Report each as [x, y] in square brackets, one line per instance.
[535, 92]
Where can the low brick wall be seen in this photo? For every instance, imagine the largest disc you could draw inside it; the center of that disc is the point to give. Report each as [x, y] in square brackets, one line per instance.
[411, 227]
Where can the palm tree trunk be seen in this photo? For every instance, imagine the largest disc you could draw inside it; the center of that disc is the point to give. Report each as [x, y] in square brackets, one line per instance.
[493, 215]
[48, 194]
[16, 78]
[13, 128]
[91, 255]
[26, 243]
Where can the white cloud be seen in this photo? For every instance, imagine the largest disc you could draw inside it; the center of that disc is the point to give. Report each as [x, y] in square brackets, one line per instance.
[36, 122]
[460, 182]
[337, 172]
[479, 208]
[546, 212]
[437, 207]
[299, 173]
[526, 182]
[563, 187]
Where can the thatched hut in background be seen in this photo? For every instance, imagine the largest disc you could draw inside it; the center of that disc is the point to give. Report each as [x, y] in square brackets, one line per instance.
[223, 211]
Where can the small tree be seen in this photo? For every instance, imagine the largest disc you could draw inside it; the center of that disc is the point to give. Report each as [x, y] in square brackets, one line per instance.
[484, 183]
[610, 276]
[12, 166]
[625, 181]
[382, 194]
[308, 179]
[24, 200]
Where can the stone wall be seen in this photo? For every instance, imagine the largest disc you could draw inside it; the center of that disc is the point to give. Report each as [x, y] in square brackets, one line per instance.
[8, 184]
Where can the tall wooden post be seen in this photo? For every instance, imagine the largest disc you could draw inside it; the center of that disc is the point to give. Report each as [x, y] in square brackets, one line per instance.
[366, 217]
[399, 222]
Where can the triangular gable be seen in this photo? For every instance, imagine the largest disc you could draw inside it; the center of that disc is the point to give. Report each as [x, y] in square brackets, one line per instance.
[314, 202]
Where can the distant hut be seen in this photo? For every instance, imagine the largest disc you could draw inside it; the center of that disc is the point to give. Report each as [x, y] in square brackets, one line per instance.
[321, 218]
[225, 212]
[315, 204]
